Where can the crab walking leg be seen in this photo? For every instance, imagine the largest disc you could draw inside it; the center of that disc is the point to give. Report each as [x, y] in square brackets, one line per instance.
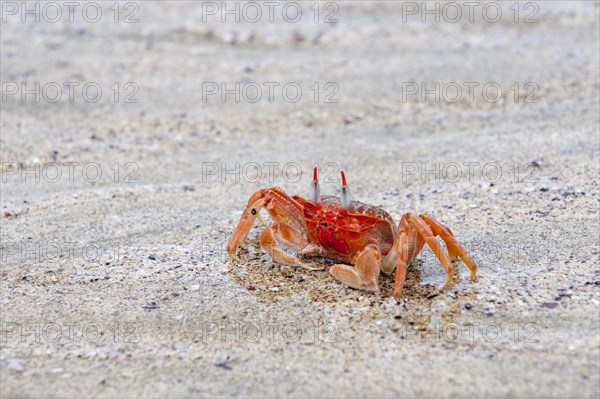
[407, 250]
[455, 250]
[427, 234]
[292, 238]
[364, 276]
[409, 247]
[268, 242]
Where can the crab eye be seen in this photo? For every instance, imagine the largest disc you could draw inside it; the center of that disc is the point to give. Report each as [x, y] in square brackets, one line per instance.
[253, 211]
[345, 198]
[315, 190]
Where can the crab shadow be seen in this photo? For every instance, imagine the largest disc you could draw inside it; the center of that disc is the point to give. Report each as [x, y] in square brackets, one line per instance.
[269, 282]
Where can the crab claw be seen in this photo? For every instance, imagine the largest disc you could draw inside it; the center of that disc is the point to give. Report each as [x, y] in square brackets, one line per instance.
[251, 212]
[315, 190]
[345, 198]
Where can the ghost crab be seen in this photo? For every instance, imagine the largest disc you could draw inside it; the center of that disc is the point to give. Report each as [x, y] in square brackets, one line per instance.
[348, 231]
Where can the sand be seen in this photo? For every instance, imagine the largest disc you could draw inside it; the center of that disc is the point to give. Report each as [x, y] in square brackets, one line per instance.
[116, 207]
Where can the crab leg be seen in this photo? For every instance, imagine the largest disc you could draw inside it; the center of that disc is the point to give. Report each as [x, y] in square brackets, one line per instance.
[413, 232]
[279, 232]
[294, 239]
[455, 250]
[405, 249]
[364, 275]
[409, 248]
[425, 232]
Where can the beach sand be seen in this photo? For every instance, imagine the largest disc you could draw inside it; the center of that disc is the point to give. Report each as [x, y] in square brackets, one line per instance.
[116, 208]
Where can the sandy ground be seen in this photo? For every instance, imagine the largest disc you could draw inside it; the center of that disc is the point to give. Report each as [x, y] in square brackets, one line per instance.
[115, 214]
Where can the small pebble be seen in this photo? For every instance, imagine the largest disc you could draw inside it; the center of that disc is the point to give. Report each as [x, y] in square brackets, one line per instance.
[15, 365]
[286, 271]
[224, 366]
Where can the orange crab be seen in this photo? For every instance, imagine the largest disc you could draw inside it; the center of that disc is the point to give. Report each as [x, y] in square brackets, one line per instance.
[349, 231]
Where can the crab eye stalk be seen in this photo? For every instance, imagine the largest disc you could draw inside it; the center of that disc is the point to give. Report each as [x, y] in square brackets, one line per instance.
[345, 198]
[315, 190]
